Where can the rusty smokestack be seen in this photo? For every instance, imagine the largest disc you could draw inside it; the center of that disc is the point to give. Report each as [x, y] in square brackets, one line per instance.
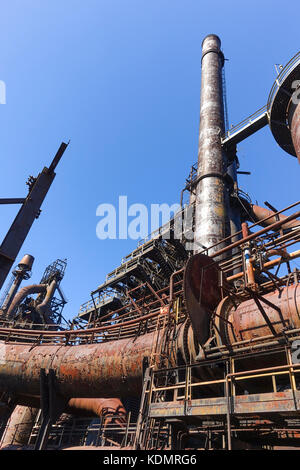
[210, 216]
[22, 271]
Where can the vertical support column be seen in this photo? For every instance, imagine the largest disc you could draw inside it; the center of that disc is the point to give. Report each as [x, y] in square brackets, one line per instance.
[210, 222]
[234, 215]
[52, 405]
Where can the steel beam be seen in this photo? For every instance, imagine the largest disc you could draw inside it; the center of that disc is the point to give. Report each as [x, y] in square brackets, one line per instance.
[28, 212]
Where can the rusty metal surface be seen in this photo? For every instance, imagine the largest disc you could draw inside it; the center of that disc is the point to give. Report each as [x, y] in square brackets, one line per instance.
[110, 408]
[210, 226]
[19, 426]
[88, 370]
[43, 307]
[248, 322]
[275, 226]
[109, 360]
[20, 296]
[280, 103]
[258, 213]
[201, 293]
[295, 130]
[27, 262]
[283, 402]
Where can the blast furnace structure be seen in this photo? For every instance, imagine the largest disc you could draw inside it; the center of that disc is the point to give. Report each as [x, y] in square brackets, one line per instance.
[192, 342]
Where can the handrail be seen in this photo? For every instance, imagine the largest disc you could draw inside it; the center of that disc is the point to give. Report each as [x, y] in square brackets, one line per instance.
[243, 123]
[291, 65]
[78, 333]
[243, 375]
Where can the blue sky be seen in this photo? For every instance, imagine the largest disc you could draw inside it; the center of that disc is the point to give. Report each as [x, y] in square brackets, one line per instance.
[121, 80]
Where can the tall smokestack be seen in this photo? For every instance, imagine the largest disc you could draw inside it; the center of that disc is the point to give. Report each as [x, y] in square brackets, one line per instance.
[210, 216]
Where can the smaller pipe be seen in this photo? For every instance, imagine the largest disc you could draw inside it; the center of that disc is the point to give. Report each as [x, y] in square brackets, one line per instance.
[12, 292]
[43, 306]
[267, 217]
[269, 264]
[171, 295]
[109, 408]
[234, 235]
[274, 226]
[248, 258]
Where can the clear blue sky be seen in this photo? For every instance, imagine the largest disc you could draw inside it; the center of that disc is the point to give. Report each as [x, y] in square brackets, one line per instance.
[121, 79]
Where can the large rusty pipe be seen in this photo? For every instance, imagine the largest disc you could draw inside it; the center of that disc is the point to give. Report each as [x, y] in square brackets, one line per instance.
[32, 289]
[267, 217]
[210, 208]
[83, 371]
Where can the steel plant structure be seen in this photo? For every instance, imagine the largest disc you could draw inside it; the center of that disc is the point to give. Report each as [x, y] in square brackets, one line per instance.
[192, 342]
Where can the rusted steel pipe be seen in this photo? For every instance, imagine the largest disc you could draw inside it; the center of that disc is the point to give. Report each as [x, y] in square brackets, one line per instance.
[82, 371]
[274, 226]
[210, 207]
[235, 235]
[43, 306]
[269, 264]
[267, 217]
[109, 408]
[20, 296]
[19, 426]
[146, 305]
[105, 407]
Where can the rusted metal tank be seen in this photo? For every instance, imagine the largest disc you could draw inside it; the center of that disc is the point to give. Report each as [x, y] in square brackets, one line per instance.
[259, 317]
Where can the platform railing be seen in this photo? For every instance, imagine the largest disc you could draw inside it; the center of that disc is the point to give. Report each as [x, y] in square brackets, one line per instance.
[246, 122]
[285, 71]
